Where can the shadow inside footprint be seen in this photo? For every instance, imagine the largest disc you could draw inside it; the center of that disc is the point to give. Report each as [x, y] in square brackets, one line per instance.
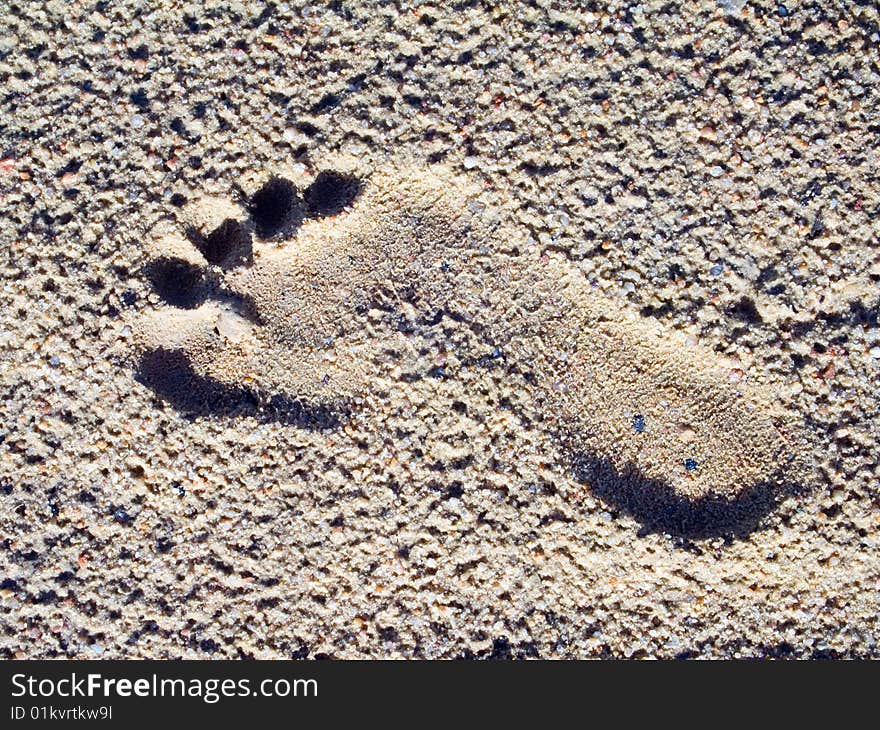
[227, 246]
[331, 193]
[276, 208]
[660, 508]
[179, 283]
[169, 374]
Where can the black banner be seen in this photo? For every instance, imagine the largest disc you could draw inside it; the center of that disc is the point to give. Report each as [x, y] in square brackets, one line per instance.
[109, 692]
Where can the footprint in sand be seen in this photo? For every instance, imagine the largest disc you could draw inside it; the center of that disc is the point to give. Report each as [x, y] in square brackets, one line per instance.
[273, 302]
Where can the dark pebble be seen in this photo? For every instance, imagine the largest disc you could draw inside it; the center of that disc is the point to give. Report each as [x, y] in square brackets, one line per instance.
[122, 517]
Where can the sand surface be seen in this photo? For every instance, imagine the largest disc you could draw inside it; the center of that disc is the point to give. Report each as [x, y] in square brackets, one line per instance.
[707, 171]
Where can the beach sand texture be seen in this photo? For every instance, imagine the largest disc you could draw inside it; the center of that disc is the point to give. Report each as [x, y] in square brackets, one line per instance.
[486, 330]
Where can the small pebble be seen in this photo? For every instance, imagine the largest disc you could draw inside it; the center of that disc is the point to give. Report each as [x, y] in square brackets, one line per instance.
[690, 464]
